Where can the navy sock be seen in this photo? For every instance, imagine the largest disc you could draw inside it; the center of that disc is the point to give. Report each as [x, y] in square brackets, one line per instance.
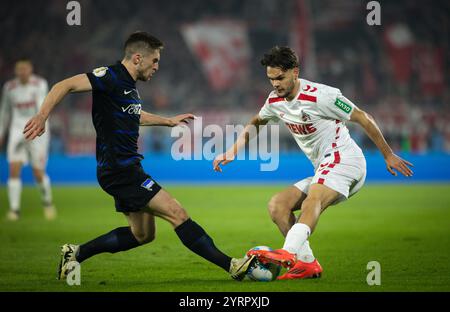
[120, 239]
[197, 240]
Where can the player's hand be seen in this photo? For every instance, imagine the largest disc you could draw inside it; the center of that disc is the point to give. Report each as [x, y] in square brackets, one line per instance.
[399, 164]
[180, 119]
[34, 127]
[222, 159]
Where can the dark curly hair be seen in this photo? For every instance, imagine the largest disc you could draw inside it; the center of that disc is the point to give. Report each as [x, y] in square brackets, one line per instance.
[283, 57]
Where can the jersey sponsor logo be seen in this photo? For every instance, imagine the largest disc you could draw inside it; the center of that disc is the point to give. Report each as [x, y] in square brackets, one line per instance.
[132, 109]
[301, 129]
[100, 71]
[25, 105]
[147, 184]
[343, 106]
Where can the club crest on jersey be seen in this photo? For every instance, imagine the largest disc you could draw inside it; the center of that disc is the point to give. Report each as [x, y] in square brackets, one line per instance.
[132, 109]
[305, 116]
[147, 184]
[100, 71]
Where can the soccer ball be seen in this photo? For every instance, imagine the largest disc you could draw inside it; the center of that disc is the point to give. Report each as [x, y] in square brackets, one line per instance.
[263, 272]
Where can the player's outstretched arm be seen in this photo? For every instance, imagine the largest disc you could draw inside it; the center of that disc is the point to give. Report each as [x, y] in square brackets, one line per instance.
[373, 131]
[148, 119]
[241, 141]
[36, 125]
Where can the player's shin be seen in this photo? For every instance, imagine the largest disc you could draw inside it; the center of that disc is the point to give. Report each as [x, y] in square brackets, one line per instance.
[46, 191]
[194, 237]
[120, 239]
[14, 192]
[296, 237]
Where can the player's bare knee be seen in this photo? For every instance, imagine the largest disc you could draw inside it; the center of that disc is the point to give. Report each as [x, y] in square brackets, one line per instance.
[277, 208]
[143, 237]
[178, 213]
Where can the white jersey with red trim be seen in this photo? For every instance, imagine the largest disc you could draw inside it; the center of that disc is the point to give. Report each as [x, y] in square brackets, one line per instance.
[21, 102]
[316, 119]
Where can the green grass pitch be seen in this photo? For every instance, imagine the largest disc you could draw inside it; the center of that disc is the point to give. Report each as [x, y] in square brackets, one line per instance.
[406, 228]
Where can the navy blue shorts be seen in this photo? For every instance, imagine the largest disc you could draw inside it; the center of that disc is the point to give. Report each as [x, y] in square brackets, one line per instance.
[131, 187]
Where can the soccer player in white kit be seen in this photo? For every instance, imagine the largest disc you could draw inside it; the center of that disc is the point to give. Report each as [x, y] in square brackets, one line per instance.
[315, 114]
[21, 99]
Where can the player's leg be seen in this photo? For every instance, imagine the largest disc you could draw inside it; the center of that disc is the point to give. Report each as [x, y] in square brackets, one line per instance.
[14, 189]
[281, 208]
[38, 153]
[44, 184]
[329, 188]
[194, 237]
[141, 231]
[282, 205]
[318, 199]
[17, 157]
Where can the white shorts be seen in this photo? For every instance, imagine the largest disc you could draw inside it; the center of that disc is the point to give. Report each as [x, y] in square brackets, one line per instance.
[345, 175]
[20, 150]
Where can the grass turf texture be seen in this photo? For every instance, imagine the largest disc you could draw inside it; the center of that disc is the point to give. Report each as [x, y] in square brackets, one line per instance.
[404, 227]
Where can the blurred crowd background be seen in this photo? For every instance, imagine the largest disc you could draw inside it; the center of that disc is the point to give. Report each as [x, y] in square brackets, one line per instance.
[397, 71]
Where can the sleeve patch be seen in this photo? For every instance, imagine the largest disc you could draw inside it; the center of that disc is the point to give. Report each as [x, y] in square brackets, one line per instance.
[343, 106]
[100, 71]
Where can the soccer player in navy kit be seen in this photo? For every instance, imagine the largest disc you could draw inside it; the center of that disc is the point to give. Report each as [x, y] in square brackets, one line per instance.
[117, 115]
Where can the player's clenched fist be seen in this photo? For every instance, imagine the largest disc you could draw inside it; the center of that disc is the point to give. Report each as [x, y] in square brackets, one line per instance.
[34, 127]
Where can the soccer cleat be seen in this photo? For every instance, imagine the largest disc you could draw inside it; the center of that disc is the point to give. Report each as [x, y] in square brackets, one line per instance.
[239, 267]
[13, 215]
[303, 270]
[278, 256]
[68, 252]
[50, 212]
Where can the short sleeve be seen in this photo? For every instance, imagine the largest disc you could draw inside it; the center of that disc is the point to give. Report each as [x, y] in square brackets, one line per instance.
[101, 79]
[266, 112]
[336, 106]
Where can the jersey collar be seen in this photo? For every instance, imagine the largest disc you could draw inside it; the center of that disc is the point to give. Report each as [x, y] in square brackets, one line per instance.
[127, 75]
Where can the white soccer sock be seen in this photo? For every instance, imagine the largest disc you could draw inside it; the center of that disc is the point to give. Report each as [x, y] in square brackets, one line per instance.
[46, 190]
[305, 253]
[14, 192]
[296, 237]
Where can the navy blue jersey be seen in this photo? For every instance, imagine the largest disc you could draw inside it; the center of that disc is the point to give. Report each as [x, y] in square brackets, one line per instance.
[116, 111]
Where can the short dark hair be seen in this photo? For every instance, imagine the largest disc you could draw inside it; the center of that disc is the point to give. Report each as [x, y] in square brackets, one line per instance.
[140, 41]
[283, 57]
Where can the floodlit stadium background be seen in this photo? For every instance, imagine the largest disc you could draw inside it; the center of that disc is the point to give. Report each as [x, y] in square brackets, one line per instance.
[397, 71]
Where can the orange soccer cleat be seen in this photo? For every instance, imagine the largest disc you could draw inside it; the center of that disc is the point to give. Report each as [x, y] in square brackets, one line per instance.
[303, 270]
[278, 256]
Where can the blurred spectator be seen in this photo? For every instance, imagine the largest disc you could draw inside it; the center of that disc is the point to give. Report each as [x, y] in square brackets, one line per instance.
[399, 71]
